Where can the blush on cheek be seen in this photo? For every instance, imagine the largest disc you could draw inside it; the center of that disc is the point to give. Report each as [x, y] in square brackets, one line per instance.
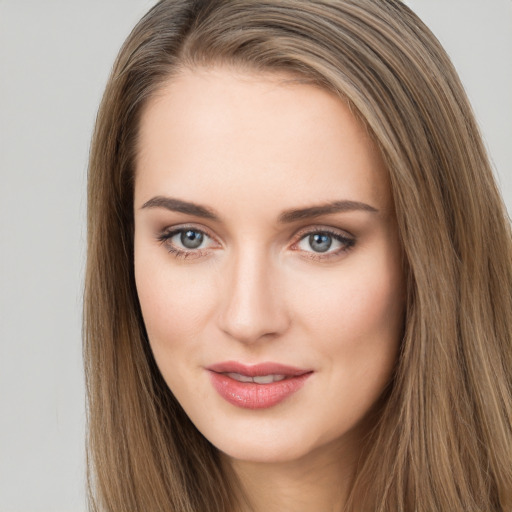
[357, 322]
[175, 306]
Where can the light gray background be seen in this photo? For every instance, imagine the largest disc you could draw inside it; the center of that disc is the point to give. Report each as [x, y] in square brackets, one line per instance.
[55, 56]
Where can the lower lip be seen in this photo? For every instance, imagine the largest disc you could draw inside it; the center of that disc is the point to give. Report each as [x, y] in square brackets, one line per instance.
[250, 395]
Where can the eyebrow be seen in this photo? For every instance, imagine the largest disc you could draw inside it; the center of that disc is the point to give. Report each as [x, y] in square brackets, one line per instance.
[324, 209]
[288, 216]
[177, 205]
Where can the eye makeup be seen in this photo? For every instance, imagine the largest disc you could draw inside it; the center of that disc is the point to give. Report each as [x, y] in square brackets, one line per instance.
[316, 243]
[323, 244]
[186, 241]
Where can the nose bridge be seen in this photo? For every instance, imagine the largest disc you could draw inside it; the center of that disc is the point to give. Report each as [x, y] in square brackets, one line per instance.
[253, 305]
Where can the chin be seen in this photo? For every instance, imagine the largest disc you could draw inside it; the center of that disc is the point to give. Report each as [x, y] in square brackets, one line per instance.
[267, 443]
[274, 453]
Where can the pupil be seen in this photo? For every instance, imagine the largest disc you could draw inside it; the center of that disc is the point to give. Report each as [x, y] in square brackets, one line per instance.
[320, 242]
[191, 239]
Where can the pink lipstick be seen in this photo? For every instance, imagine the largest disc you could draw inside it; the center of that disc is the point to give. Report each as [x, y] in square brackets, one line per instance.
[257, 386]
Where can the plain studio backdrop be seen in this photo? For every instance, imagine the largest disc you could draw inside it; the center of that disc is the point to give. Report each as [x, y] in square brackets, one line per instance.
[55, 56]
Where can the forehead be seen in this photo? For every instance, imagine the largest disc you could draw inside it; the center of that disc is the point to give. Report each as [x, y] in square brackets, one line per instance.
[221, 132]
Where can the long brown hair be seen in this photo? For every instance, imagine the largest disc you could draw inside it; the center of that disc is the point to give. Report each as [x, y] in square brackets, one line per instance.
[444, 438]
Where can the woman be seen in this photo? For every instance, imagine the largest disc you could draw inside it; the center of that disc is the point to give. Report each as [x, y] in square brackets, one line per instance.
[298, 285]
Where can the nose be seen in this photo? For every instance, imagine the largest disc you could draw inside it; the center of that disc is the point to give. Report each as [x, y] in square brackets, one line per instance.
[253, 305]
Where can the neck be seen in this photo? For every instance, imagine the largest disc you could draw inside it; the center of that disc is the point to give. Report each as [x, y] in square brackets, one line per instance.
[318, 481]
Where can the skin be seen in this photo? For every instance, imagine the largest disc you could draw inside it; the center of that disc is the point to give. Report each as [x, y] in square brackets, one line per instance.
[249, 147]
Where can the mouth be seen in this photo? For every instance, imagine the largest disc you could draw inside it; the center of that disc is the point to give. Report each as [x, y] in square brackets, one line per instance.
[260, 379]
[256, 386]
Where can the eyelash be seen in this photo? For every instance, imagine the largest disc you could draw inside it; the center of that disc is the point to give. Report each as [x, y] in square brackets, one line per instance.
[165, 239]
[347, 243]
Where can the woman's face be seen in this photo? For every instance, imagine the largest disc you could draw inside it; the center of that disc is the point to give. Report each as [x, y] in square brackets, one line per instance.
[267, 261]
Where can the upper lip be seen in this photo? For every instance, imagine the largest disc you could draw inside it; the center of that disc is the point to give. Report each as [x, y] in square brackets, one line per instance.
[257, 370]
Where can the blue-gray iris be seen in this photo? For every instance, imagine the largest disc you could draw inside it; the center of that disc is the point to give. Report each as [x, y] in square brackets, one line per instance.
[191, 239]
[320, 242]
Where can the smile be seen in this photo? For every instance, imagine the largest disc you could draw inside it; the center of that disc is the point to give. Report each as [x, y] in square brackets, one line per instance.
[256, 387]
[262, 379]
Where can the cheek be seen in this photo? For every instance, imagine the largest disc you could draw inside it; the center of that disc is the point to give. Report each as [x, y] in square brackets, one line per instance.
[356, 320]
[356, 328]
[176, 303]
[353, 303]
[175, 308]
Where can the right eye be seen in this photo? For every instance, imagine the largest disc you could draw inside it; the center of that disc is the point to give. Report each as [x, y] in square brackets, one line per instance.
[186, 242]
[189, 239]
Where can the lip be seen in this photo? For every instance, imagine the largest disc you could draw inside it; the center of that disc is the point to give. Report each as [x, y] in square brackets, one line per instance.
[251, 395]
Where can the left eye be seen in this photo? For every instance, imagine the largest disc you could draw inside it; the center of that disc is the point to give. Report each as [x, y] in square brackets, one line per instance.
[323, 242]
